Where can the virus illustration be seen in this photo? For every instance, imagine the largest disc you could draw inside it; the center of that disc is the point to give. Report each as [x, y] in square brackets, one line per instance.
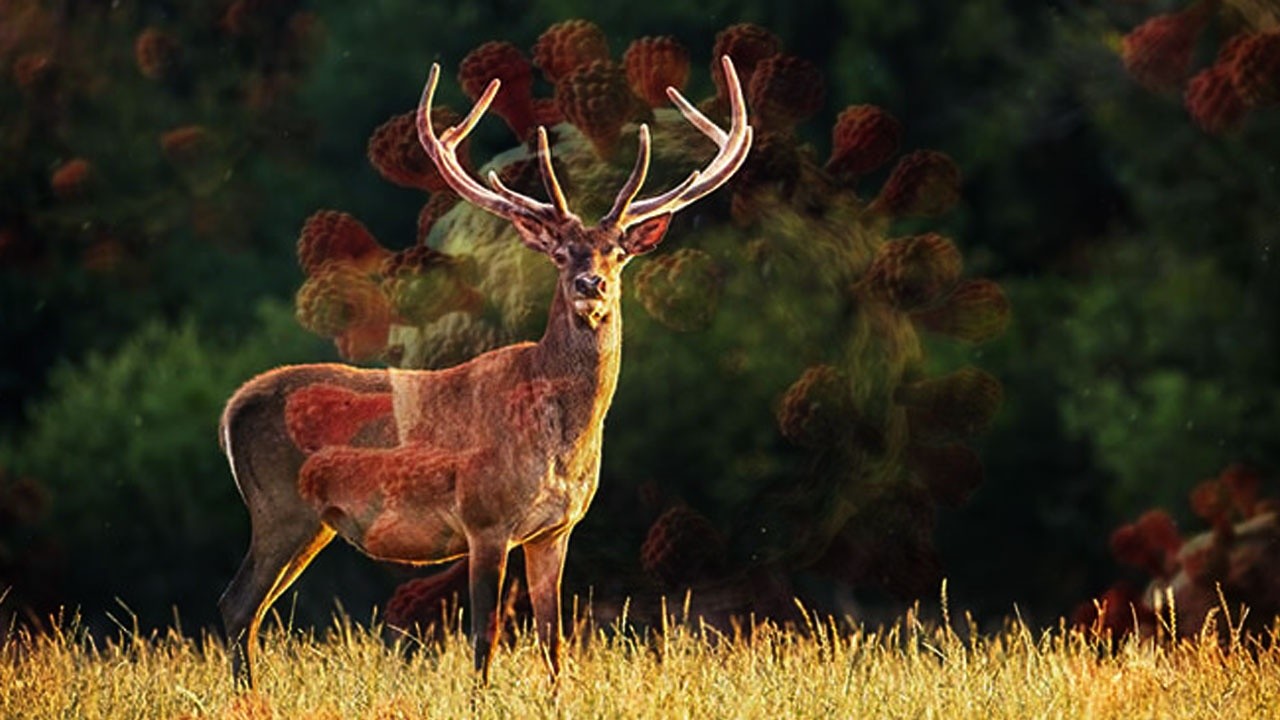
[776, 364]
[112, 105]
[1236, 562]
[1244, 75]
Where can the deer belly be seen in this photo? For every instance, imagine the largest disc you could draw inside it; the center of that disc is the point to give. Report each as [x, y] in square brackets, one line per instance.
[412, 538]
[392, 503]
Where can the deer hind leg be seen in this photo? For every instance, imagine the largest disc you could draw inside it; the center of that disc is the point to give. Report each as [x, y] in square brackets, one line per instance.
[487, 568]
[277, 555]
[544, 568]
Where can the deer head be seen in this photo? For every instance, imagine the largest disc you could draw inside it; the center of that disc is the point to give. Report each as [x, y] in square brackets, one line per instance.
[589, 259]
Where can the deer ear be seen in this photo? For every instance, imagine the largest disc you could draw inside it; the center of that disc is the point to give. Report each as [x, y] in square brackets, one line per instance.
[644, 237]
[532, 233]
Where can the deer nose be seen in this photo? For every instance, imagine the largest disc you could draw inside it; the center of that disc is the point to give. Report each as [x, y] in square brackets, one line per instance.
[591, 286]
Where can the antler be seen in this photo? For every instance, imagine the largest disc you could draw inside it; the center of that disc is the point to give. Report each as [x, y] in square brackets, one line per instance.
[734, 146]
[501, 200]
[627, 211]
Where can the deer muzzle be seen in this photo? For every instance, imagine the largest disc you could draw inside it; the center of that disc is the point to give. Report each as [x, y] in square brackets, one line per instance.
[589, 287]
[588, 297]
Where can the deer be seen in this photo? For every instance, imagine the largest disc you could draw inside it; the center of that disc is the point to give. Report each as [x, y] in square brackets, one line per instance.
[501, 451]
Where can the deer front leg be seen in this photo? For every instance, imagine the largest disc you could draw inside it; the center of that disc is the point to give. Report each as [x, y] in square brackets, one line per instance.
[544, 568]
[488, 567]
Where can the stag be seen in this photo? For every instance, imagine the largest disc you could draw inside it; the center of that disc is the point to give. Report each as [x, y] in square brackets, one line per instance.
[428, 466]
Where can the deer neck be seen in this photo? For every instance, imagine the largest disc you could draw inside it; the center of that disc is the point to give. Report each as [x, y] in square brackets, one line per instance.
[571, 348]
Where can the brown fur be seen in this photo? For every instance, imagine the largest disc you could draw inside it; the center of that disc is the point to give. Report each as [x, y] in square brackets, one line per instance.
[500, 451]
[423, 466]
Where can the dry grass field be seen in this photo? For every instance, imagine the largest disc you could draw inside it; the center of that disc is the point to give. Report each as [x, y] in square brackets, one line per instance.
[823, 670]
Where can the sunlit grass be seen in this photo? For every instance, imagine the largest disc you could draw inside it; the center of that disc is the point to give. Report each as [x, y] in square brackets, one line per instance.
[824, 669]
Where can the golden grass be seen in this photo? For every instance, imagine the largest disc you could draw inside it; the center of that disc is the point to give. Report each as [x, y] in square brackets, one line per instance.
[822, 671]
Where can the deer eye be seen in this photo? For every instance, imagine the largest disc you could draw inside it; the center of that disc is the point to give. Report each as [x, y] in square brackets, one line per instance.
[560, 256]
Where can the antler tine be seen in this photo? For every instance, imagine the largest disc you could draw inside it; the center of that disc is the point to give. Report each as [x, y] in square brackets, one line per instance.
[734, 147]
[549, 180]
[455, 135]
[557, 212]
[695, 116]
[442, 150]
[634, 183]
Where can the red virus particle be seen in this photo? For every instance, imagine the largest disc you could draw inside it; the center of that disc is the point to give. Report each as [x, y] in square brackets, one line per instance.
[1157, 53]
[1209, 502]
[568, 46]
[924, 183]
[1114, 613]
[680, 289]
[502, 61]
[913, 271]
[784, 91]
[427, 604]
[598, 101]
[397, 155]
[815, 411]
[950, 407]
[187, 145]
[654, 64]
[322, 414]
[1231, 496]
[863, 138]
[424, 284]
[1148, 544]
[1213, 102]
[1255, 69]
[331, 236]
[1230, 50]
[338, 298]
[34, 71]
[157, 53]
[70, 179]
[746, 44]
[1243, 484]
[975, 311]
[682, 547]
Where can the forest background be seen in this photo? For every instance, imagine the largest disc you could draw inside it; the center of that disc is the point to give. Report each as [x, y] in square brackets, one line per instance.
[1138, 253]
